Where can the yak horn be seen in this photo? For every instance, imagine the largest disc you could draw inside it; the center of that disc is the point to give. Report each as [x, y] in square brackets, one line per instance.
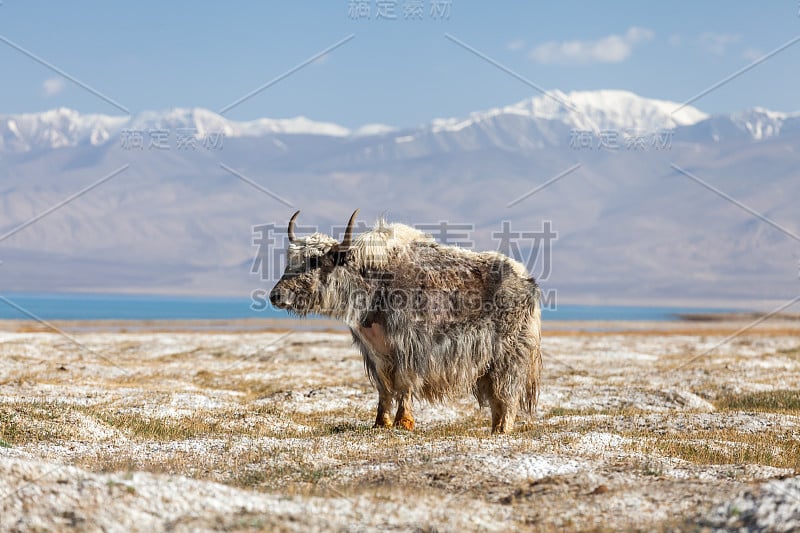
[348, 233]
[292, 236]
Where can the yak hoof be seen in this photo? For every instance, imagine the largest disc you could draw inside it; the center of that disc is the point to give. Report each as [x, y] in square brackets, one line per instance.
[382, 422]
[405, 422]
[503, 428]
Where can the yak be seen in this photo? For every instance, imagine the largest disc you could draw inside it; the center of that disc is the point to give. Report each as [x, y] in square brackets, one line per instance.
[432, 321]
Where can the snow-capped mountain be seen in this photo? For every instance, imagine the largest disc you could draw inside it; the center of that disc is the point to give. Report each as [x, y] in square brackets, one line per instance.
[762, 123]
[532, 123]
[757, 124]
[57, 128]
[588, 110]
[205, 121]
[63, 127]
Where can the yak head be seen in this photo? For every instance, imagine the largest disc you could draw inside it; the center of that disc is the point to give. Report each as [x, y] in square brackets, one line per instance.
[311, 268]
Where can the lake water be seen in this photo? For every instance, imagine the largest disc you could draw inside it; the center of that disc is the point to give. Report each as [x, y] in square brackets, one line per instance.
[127, 307]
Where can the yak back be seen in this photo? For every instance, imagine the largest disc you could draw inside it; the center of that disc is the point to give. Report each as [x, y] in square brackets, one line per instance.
[438, 285]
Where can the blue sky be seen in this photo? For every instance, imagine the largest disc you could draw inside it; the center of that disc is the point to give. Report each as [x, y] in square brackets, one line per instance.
[157, 55]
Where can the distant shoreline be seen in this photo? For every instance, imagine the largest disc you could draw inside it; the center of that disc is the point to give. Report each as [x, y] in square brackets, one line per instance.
[684, 323]
[737, 316]
[191, 325]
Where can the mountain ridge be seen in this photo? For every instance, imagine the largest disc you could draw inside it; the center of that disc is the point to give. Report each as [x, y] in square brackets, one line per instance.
[578, 110]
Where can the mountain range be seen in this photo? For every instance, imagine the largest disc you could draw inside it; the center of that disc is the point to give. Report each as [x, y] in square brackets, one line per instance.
[652, 202]
[584, 111]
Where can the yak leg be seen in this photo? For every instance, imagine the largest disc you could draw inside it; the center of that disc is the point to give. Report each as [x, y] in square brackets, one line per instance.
[504, 410]
[404, 417]
[376, 349]
[503, 415]
[383, 419]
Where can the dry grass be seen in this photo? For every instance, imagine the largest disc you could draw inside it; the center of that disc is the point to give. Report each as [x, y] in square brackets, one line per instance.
[161, 429]
[774, 401]
[253, 389]
[779, 449]
[35, 421]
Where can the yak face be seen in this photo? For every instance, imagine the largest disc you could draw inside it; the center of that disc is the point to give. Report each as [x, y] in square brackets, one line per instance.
[310, 261]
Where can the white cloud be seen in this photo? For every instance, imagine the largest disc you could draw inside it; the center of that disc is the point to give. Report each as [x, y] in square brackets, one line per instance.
[611, 49]
[515, 45]
[675, 40]
[717, 43]
[52, 86]
[751, 54]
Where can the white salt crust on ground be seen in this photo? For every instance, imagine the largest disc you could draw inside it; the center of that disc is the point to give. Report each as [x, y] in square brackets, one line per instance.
[248, 431]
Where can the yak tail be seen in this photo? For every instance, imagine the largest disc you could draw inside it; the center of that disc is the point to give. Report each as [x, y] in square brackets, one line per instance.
[532, 387]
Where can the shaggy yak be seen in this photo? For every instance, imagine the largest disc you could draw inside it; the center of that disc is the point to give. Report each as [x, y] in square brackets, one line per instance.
[432, 321]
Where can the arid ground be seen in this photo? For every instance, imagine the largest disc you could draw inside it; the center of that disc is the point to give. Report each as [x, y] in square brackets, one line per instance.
[209, 426]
